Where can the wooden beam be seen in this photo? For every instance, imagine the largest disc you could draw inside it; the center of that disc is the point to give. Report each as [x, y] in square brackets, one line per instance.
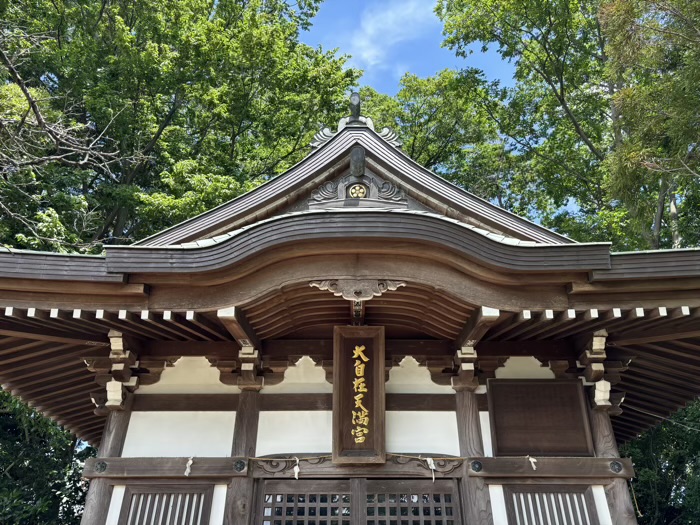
[549, 467]
[477, 326]
[654, 337]
[169, 468]
[39, 335]
[234, 320]
[284, 402]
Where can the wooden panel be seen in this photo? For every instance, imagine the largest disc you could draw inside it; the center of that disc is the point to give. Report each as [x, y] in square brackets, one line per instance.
[166, 505]
[539, 418]
[358, 395]
[553, 505]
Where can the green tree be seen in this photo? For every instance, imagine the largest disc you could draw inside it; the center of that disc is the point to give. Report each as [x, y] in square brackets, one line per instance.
[654, 50]
[558, 119]
[126, 117]
[667, 466]
[40, 468]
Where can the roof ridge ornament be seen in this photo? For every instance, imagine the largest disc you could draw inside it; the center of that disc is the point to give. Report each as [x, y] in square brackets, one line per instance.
[355, 119]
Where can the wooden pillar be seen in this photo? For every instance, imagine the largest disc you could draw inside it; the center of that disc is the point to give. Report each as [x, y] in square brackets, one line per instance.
[617, 493]
[475, 494]
[113, 436]
[240, 499]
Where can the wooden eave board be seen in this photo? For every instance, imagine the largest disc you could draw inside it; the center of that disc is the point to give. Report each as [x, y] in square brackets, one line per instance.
[657, 264]
[275, 192]
[20, 264]
[333, 225]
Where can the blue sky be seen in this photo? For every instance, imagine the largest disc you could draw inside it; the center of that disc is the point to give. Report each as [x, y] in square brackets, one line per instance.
[388, 38]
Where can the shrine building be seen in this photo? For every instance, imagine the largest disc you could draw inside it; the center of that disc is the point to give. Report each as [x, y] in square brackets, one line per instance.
[355, 342]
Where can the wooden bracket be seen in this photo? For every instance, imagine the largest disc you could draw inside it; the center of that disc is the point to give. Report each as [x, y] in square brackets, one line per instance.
[465, 379]
[235, 321]
[477, 326]
[593, 356]
[115, 373]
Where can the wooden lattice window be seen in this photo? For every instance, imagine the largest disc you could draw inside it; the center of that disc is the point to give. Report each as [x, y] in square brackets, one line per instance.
[306, 503]
[542, 505]
[166, 505]
[394, 502]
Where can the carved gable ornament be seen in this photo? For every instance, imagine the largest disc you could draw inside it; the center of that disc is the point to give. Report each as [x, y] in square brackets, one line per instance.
[346, 192]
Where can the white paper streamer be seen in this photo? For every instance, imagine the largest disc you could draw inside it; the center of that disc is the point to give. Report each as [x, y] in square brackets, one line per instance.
[431, 465]
[188, 466]
[296, 469]
[533, 462]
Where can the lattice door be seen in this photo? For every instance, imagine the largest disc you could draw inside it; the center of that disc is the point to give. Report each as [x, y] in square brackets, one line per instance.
[305, 502]
[358, 502]
[412, 502]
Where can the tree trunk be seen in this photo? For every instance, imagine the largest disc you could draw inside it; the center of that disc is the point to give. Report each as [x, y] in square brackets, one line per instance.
[660, 206]
[673, 218]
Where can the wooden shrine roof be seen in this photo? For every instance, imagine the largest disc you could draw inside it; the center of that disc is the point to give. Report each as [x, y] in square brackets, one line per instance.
[452, 251]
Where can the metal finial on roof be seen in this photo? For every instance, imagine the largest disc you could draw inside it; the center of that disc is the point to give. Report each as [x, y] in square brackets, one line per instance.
[355, 107]
[354, 120]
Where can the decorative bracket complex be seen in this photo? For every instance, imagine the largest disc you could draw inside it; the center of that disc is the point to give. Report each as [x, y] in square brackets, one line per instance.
[466, 356]
[602, 373]
[114, 373]
[247, 370]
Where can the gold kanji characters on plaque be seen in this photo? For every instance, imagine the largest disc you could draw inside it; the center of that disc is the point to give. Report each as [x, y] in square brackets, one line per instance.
[360, 416]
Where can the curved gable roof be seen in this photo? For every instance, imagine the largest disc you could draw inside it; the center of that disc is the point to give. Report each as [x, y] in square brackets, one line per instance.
[273, 195]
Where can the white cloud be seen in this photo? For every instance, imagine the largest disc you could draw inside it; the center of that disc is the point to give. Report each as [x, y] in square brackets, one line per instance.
[385, 26]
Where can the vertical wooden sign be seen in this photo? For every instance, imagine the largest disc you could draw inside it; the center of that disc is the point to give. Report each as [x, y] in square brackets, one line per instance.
[358, 395]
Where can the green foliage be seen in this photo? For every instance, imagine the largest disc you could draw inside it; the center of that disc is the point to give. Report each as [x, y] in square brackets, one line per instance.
[654, 50]
[184, 98]
[40, 468]
[667, 464]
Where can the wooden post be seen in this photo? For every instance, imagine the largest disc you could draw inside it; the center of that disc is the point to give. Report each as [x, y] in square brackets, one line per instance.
[113, 436]
[475, 493]
[617, 493]
[240, 496]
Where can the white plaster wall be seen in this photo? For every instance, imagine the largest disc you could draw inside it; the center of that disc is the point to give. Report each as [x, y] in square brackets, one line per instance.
[422, 432]
[190, 375]
[285, 432]
[115, 505]
[218, 505]
[601, 505]
[518, 367]
[179, 434]
[498, 505]
[304, 377]
[411, 378]
[485, 423]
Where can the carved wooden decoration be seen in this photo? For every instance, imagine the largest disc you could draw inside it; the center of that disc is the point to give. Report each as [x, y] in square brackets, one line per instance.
[358, 395]
[357, 289]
